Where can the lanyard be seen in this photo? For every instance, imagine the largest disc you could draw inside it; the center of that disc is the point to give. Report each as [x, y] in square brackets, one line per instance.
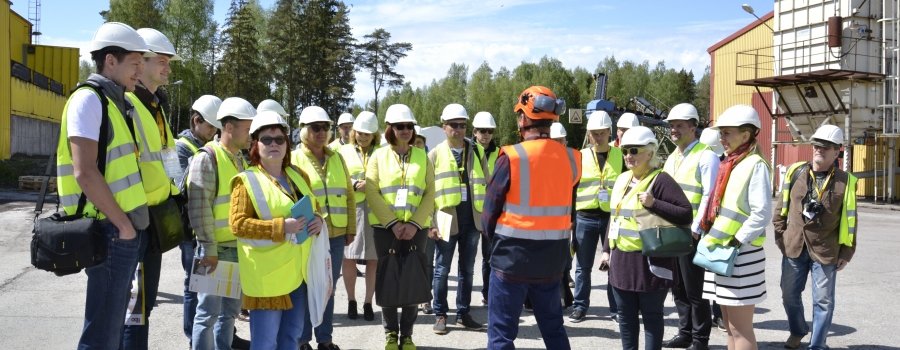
[364, 156]
[820, 191]
[597, 162]
[403, 169]
[631, 192]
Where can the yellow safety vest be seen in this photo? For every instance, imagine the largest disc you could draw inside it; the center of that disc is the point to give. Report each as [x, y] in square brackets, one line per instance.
[490, 159]
[593, 179]
[187, 143]
[730, 215]
[122, 173]
[448, 182]
[356, 165]
[332, 192]
[157, 184]
[624, 209]
[336, 144]
[687, 174]
[226, 169]
[267, 268]
[394, 176]
[847, 232]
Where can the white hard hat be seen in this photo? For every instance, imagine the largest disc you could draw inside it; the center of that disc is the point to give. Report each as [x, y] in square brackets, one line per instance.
[628, 120]
[738, 115]
[314, 114]
[208, 107]
[158, 43]
[557, 130]
[710, 137]
[366, 122]
[272, 105]
[683, 111]
[345, 118]
[454, 111]
[266, 118]
[484, 120]
[638, 136]
[828, 136]
[119, 35]
[236, 107]
[399, 113]
[599, 120]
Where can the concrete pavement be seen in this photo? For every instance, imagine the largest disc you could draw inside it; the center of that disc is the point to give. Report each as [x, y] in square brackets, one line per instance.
[41, 311]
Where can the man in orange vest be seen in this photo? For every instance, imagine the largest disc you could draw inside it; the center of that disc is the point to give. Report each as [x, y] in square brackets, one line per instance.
[527, 218]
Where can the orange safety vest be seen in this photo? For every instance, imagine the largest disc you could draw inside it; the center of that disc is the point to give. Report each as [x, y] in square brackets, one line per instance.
[539, 202]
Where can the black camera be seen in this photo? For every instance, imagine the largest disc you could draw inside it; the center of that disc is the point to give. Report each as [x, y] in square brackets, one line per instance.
[812, 209]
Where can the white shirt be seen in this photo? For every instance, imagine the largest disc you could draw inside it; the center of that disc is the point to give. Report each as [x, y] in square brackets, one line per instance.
[84, 114]
[758, 203]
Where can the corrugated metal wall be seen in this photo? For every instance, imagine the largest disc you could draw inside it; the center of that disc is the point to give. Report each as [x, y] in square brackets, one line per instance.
[725, 72]
[864, 158]
[33, 137]
[29, 100]
[5, 77]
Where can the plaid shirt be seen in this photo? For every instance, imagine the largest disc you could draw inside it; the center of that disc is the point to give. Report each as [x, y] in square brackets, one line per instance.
[202, 187]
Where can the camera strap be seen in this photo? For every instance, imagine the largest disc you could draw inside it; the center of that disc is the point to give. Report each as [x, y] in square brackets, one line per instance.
[820, 190]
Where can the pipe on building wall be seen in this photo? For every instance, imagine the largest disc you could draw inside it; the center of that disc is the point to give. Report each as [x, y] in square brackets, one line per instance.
[848, 148]
[834, 31]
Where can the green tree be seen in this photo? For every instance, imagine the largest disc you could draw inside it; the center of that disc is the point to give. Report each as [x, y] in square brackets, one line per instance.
[284, 52]
[241, 72]
[701, 99]
[85, 69]
[136, 13]
[379, 56]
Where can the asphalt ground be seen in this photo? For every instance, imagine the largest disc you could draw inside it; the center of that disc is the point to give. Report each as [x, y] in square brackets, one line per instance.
[41, 311]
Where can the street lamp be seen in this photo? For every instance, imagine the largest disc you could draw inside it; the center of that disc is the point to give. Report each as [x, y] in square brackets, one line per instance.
[749, 9]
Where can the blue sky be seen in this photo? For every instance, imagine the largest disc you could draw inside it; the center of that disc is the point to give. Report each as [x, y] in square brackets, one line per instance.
[501, 32]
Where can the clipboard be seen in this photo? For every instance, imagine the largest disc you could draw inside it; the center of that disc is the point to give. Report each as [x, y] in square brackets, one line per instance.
[302, 209]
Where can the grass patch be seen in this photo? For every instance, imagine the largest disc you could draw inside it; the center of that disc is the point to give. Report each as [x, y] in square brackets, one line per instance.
[20, 165]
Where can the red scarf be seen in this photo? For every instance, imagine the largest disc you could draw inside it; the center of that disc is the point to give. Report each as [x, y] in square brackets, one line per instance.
[725, 168]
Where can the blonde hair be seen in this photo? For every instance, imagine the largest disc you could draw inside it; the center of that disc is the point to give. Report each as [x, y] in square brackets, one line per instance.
[376, 138]
[304, 135]
[655, 161]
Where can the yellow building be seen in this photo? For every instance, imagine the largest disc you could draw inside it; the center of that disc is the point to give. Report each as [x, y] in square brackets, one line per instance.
[33, 87]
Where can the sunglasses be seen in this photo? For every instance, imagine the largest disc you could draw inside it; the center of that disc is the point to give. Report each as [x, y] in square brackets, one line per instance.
[404, 126]
[267, 140]
[456, 125]
[631, 150]
[486, 131]
[318, 127]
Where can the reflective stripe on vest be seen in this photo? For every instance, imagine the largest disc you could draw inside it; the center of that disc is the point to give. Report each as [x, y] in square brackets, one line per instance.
[355, 167]
[122, 172]
[730, 215]
[539, 210]
[225, 170]
[156, 182]
[268, 268]
[687, 174]
[332, 192]
[447, 181]
[629, 239]
[391, 180]
[591, 183]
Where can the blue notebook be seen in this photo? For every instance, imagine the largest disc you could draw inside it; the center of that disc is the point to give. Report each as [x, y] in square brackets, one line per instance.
[302, 209]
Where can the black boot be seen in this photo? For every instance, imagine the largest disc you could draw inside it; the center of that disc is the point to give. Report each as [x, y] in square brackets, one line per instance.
[238, 343]
[368, 313]
[352, 313]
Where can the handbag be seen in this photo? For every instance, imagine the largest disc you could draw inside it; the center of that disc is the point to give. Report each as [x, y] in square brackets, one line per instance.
[166, 225]
[660, 238]
[716, 258]
[402, 279]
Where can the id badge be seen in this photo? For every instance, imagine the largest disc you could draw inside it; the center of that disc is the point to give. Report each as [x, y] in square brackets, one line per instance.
[171, 164]
[613, 229]
[401, 197]
[603, 196]
[464, 191]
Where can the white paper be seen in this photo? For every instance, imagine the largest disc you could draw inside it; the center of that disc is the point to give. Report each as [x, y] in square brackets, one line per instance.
[603, 195]
[401, 197]
[224, 281]
[613, 229]
[464, 191]
[444, 224]
[171, 163]
[134, 314]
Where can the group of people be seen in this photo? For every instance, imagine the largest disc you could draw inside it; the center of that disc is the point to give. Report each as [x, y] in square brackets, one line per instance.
[236, 176]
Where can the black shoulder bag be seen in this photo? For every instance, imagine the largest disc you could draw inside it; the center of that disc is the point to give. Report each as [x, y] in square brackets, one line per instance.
[66, 244]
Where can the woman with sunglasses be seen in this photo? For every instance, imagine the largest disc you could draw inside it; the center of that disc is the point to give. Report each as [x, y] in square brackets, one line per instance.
[364, 139]
[400, 194]
[272, 263]
[739, 211]
[333, 188]
[640, 283]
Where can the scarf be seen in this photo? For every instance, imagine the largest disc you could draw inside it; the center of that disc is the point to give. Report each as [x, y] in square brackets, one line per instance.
[728, 164]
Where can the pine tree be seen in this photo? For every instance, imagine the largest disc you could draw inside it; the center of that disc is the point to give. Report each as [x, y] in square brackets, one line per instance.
[240, 71]
[380, 57]
[136, 13]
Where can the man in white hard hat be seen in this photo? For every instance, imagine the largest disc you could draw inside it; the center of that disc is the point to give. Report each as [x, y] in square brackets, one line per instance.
[94, 126]
[209, 193]
[695, 167]
[484, 128]
[815, 228]
[558, 133]
[460, 184]
[344, 125]
[626, 121]
[159, 169]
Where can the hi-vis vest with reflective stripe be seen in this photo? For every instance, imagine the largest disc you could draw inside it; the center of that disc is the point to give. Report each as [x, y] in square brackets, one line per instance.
[539, 202]
[848, 209]
[225, 170]
[270, 269]
[447, 181]
[122, 173]
[731, 216]
[355, 167]
[391, 180]
[332, 192]
[156, 182]
[591, 182]
[490, 159]
[187, 143]
[628, 240]
[687, 174]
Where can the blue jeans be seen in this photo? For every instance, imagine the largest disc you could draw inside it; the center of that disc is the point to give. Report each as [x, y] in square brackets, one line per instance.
[214, 319]
[793, 281]
[588, 233]
[325, 330]
[650, 306]
[279, 329]
[190, 298]
[107, 291]
[505, 307]
[137, 337]
[467, 238]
